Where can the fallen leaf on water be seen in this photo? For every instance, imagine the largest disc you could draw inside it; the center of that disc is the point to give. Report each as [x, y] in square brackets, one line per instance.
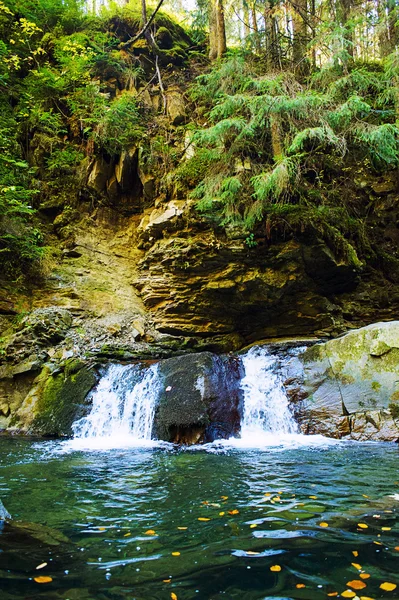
[396, 548]
[357, 566]
[378, 543]
[252, 553]
[215, 505]
[150, 532]
[323, 524]
[356, 584]
[224, 497]
[41, 566]
[313, 497]
[166, 580]
[364, 575]
[386, 528]
[362, 525]
[205, 502]
[364, 496]
[268, 495]
[275, 568]
[348, 594]
[377, 516]
[300, 586]
[203, 519]
[101, 528]
[355, 553]
[234, 512]
[332, 594]
[127, 534]
[253, 525]
[388, 587]
[182, 528]
[175, 553]
[173, 596]
[221, 514]
[366, 598]
[44, 579]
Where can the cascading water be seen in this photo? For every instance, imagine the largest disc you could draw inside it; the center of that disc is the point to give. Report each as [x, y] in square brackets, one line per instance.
[123, 407]
[267, 419]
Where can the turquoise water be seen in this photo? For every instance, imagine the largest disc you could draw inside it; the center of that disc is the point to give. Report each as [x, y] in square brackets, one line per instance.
[119, 513]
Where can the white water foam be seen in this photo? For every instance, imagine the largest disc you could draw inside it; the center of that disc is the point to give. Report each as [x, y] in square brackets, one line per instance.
[122, 414]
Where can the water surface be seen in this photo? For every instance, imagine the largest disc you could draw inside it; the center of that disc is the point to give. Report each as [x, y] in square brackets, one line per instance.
[231, 514]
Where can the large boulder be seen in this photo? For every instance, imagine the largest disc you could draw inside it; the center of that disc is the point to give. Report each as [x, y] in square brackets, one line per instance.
[200, 398]
[56, 399]
[349, 387]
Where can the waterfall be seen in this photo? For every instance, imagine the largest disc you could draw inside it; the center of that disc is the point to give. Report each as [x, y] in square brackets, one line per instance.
[267, 417]
[123, 407]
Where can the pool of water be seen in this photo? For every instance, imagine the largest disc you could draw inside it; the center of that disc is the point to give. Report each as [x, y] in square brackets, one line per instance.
[218, 523]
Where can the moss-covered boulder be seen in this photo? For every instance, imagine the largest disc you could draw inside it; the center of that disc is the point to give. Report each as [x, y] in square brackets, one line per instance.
[200, 398]
[56, 400]
[349, 387]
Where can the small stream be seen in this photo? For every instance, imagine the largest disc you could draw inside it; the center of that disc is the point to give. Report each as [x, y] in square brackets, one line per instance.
[115, 515]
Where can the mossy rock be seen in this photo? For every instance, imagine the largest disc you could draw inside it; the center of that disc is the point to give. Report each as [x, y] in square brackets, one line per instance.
[164, 38]
[63, 400]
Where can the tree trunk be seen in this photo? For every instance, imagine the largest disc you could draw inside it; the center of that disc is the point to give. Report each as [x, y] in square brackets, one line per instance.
[217, 30]
[299, 15]
[344, 12]
[255, 28]
[247, 30]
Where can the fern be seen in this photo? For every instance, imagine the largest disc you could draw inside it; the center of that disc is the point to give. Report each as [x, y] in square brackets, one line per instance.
[381, 142]
[317, 138]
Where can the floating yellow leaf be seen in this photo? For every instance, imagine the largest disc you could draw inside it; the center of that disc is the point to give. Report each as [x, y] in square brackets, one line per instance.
[364, 576]
[332, 594]
[101, 528]
[44, 579]
[275, 568]
[388, 587]
[173, 596]
[396, 548]
[224, 497]
[253, 525]
[357, 566]
[175, 553]
[362, 525]
[251, 553]
[355, 553]
[356, 584]
[386, 528]
[364, 496]
[41, 566]
[268, 494]
[205, 502]
[299, 586]
[234, 512]
[378, 543]
[366, 598]
[348, 594]
[221, 514]
[127, 534]
[323, 524]
[203, 519]
[313, 497]
[166, 580]
[182, 528]
[150, 532]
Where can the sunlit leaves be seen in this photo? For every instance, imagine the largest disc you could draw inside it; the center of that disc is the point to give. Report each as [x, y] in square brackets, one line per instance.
[356, 584]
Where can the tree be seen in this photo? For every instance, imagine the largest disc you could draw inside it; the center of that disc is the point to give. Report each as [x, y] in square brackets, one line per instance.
[217, 30]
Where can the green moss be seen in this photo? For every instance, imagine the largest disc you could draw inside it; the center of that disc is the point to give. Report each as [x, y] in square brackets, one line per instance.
[376, 386]
[62, 400]
[394, 408]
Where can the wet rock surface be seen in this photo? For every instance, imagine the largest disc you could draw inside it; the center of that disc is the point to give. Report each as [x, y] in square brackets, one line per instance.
[200, 400]
[349, 387]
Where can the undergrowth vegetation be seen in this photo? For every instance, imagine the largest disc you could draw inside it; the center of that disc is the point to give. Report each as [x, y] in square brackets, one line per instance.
[280, 147]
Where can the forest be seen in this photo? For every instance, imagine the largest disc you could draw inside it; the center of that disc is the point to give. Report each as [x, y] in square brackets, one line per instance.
[292, 105]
